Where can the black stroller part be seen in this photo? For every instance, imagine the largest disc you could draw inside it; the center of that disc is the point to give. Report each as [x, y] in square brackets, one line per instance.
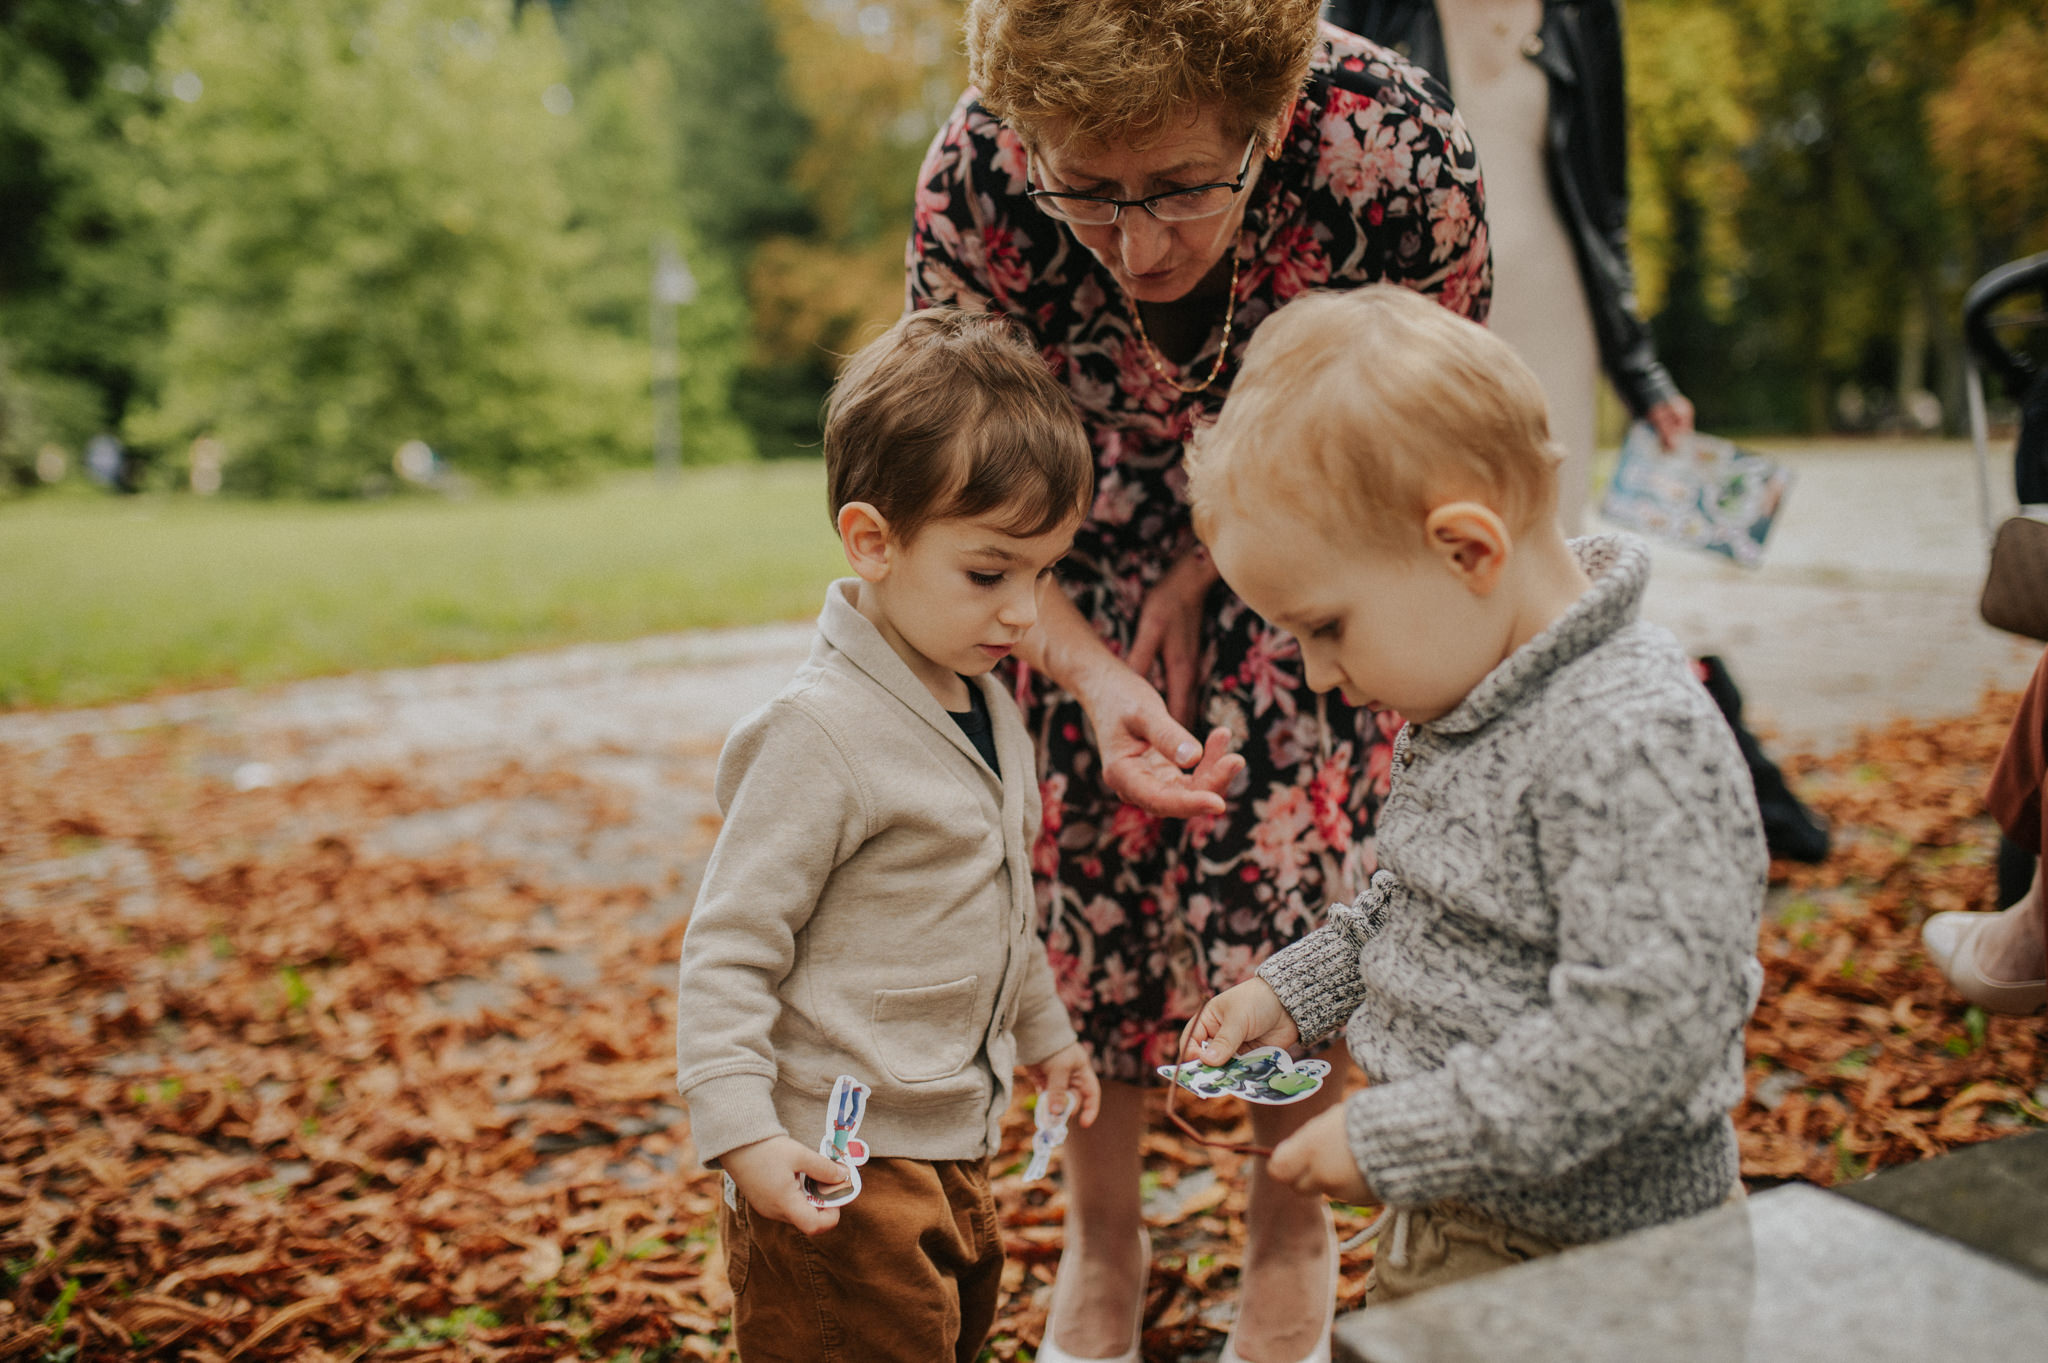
[2030, 456]
[1792, 832]
[2025, 377]
[2015, 368]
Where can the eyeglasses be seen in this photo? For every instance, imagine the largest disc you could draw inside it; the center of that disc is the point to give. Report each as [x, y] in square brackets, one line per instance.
[1175, 205]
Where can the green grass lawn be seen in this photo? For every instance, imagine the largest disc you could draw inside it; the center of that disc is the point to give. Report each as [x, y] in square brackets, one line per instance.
[105, 599]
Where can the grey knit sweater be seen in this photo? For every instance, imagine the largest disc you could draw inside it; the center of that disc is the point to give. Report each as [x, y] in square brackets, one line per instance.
[1548, 977]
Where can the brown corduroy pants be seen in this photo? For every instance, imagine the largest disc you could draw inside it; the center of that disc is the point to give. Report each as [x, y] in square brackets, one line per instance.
[911, 1274]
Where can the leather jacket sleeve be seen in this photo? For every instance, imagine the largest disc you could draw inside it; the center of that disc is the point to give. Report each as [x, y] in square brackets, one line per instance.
[1579, 49]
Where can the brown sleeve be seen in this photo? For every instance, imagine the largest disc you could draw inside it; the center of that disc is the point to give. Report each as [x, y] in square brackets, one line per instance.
[2016, 782]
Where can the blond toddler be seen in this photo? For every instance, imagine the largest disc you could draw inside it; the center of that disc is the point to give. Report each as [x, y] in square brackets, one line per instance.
[1548, 976]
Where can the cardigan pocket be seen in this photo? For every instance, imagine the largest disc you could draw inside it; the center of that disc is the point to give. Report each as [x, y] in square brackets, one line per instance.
[926, 1033]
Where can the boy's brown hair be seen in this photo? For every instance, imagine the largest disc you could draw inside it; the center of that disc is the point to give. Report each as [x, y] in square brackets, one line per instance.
[1366, 410]
[952, 413]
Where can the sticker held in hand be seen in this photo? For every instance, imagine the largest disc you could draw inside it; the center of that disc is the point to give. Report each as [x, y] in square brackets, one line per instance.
[1265, 1074]
[842, 1118]
[1052, 1131]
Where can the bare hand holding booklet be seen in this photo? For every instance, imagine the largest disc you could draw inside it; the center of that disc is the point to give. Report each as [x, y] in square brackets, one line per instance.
[1709, 493]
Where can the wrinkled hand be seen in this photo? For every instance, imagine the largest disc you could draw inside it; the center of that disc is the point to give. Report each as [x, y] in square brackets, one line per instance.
[1064, 1079]
[1672, 420]
[1170, 630]
[1316, 1161]
[1247, 1015]
[766, 1173]
[1147, 758]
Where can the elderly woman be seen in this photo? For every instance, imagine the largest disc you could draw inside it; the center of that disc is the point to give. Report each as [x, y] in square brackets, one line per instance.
[1139, 186]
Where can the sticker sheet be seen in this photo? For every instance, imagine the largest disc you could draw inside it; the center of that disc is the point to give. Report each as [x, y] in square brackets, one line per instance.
[1265, 1074]
[1709, 493]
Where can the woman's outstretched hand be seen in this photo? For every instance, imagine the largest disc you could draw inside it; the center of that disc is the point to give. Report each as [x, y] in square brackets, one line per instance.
[1148, 757]
[1150, 760]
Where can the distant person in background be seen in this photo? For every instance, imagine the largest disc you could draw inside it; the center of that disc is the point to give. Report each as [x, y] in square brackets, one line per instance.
[1539, 83]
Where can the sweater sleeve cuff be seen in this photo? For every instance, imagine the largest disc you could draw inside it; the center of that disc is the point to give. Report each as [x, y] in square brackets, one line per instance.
[1413, 1141]
[1317, 981]
[729, 1112]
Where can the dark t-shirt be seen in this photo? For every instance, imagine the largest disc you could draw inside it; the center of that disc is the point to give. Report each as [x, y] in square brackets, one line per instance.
[980, 730]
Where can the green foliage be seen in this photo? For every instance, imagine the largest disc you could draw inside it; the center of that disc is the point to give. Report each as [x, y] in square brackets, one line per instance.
[379, 242]
[1817, 181]
[735, 136]
[80, 296]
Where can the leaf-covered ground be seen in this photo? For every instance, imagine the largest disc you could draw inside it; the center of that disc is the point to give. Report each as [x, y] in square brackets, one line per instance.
[267, 1092]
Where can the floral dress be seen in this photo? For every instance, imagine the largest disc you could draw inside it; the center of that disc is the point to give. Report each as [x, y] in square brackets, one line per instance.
[1144, 918]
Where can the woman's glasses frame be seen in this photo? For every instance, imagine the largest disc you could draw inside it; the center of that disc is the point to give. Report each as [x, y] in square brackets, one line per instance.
[1077, 208]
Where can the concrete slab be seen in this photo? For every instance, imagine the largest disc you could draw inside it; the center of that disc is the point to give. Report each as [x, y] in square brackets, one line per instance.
[1794, 1275]
[1992, 1197]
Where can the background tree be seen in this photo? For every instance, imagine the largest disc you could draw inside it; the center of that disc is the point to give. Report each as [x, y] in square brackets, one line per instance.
[80, 306]
[379, 241]
[873, 81]
[732, 134]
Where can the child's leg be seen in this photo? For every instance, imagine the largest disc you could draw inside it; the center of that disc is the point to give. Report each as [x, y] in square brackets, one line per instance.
[911, 1274]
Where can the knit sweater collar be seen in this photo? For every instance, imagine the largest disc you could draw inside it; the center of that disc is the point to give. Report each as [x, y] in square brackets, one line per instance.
[1619, 566]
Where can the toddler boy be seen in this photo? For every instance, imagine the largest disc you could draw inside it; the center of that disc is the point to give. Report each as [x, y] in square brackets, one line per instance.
[1547, 978]
[868, 908]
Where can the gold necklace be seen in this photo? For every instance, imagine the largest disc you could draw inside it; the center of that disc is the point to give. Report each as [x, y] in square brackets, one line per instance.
[1156, 360]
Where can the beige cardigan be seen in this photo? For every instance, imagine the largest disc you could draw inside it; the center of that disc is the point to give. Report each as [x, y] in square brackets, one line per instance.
[868, 910]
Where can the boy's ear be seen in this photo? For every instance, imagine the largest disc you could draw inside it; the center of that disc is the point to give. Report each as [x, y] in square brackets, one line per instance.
[1472, 541]
[864, 537]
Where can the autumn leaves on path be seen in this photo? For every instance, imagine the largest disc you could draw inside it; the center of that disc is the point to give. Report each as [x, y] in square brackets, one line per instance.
[273, 1085]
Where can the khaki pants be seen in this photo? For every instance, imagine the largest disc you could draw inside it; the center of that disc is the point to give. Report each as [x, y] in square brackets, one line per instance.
[911, 1274]
[1447, 1244]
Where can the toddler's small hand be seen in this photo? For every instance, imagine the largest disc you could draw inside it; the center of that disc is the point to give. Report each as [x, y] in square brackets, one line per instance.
[1316, 1161]
[766, 1174]
[1248, 1015]
[1065, 1078]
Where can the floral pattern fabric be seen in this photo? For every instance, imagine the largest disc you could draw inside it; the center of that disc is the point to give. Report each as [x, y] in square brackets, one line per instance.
[1144, 918]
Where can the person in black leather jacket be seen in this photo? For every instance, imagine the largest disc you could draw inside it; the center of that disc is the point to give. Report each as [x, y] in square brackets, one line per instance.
[1577, 44]
[1579, 48]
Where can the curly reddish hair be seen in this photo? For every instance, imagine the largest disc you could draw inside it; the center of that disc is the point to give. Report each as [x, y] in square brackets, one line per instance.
[1125, 71]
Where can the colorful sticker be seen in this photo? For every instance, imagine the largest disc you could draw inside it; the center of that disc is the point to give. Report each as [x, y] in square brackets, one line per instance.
[848, 1105]
[1052, 1131]
[1265, 1074]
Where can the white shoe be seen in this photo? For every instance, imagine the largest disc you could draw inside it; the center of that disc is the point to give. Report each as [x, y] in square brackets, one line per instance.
[1049, 1352]
[1951, 940]
[1321, 1353]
